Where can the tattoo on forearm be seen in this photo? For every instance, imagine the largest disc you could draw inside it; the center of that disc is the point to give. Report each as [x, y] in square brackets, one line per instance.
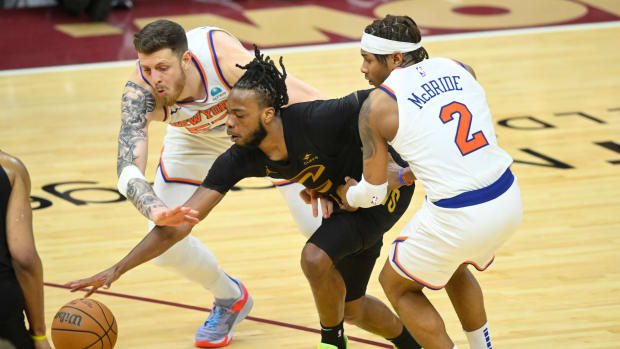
[137, 102]
[368, 143]
[142, 195]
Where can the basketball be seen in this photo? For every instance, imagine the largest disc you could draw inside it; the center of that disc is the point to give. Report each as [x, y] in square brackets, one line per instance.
[84, 323]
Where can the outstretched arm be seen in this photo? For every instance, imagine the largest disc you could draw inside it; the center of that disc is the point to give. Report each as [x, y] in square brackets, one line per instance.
[20, 240]
[138, 108]
[156, 242]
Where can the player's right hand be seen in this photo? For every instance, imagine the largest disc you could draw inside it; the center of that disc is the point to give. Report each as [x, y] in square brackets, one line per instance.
[173, 217]
[312, 197]
[103, 279]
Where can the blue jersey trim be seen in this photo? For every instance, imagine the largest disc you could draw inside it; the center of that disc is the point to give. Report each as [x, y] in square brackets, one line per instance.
[479, 196]
[283, 184]
[163, 176]
[462, 65]
[387, 91]
[142, 75]
[217, 64]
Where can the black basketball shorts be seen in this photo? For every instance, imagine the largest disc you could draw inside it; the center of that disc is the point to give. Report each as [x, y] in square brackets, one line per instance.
[12, 327]
[353, 240]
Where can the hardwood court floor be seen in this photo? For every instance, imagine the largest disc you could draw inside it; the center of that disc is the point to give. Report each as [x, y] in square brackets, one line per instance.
[555, 284]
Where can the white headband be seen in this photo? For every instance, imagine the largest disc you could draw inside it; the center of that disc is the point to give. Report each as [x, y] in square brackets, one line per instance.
[377, 45]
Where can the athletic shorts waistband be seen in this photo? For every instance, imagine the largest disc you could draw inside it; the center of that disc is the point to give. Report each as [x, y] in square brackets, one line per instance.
[479, 196]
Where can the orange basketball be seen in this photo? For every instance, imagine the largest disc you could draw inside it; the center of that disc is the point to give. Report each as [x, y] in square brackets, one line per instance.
[84, 323]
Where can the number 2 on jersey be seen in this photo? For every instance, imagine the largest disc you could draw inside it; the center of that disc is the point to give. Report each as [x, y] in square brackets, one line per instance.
[466, 146]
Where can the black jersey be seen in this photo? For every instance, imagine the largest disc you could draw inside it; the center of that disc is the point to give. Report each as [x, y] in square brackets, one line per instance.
[323, 145]
[6, 266]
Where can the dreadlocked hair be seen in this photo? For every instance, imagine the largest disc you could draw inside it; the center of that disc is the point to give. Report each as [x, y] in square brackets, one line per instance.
[265, 79]
[398, 28]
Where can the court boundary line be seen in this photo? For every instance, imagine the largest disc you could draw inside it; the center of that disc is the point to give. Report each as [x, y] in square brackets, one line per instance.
[335, 46]
[193, 307]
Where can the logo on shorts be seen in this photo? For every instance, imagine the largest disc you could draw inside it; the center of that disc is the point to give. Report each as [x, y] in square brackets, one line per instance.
[215, 91]
[421, 71]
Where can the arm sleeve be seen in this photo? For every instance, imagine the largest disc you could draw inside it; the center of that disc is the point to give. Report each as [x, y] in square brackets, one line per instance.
[229, 168]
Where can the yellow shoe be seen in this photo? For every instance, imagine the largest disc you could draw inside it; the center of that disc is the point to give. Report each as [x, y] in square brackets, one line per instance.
[330, 346]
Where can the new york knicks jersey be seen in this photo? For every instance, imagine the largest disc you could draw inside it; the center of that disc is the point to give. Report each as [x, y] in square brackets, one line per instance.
[445, 131]
[199, 125]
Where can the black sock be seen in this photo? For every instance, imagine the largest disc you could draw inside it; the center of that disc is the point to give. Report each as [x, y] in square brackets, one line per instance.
[405, 341]
[333, 335]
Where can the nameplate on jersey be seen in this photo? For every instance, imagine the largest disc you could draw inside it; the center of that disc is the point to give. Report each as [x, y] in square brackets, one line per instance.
[434, 88]
[201, 120]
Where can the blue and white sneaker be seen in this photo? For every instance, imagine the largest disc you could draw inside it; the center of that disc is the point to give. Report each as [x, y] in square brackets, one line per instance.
[217, 331]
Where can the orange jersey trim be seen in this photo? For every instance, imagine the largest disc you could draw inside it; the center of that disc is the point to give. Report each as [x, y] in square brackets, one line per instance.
[280, 183]
[478, 267]
[204, 80]
[404, 271]
[174, 179]
[215, 61]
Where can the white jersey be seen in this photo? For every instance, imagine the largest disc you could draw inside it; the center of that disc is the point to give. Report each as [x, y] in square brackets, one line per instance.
[196, 129]
[445, 131]
[200, 123]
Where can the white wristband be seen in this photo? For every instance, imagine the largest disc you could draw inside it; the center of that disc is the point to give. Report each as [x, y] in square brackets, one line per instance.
[128, 172]
[366, 195]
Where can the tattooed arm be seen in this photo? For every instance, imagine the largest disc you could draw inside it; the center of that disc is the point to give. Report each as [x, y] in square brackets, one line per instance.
[138, 104]
[378, 123]
[138, 108]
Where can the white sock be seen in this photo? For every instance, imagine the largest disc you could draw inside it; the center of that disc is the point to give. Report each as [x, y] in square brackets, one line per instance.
[193, 259]
[480, 338]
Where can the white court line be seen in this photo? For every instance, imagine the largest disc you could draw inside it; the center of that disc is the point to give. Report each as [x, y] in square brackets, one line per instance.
[336, 46]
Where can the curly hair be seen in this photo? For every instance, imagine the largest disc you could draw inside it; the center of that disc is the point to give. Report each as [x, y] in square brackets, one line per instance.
[265, 79]
[398, 28]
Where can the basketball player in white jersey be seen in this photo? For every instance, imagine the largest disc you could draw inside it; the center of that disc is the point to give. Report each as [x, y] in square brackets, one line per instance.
[434, 114]
[184, 79]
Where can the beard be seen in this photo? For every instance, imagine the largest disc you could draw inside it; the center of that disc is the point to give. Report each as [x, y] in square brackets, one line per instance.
[256, 137]
[171, 99]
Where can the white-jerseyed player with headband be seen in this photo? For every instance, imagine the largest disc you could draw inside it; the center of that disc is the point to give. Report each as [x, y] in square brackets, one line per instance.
[434, 114]
[184, 79]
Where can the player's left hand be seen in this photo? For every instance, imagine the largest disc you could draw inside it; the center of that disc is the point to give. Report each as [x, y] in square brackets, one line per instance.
[103, 279]
[173, 217]
[342, 191]
[311, 197]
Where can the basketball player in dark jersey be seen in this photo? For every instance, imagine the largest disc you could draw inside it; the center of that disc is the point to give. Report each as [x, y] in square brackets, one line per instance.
[316, 144]
[21, 272]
